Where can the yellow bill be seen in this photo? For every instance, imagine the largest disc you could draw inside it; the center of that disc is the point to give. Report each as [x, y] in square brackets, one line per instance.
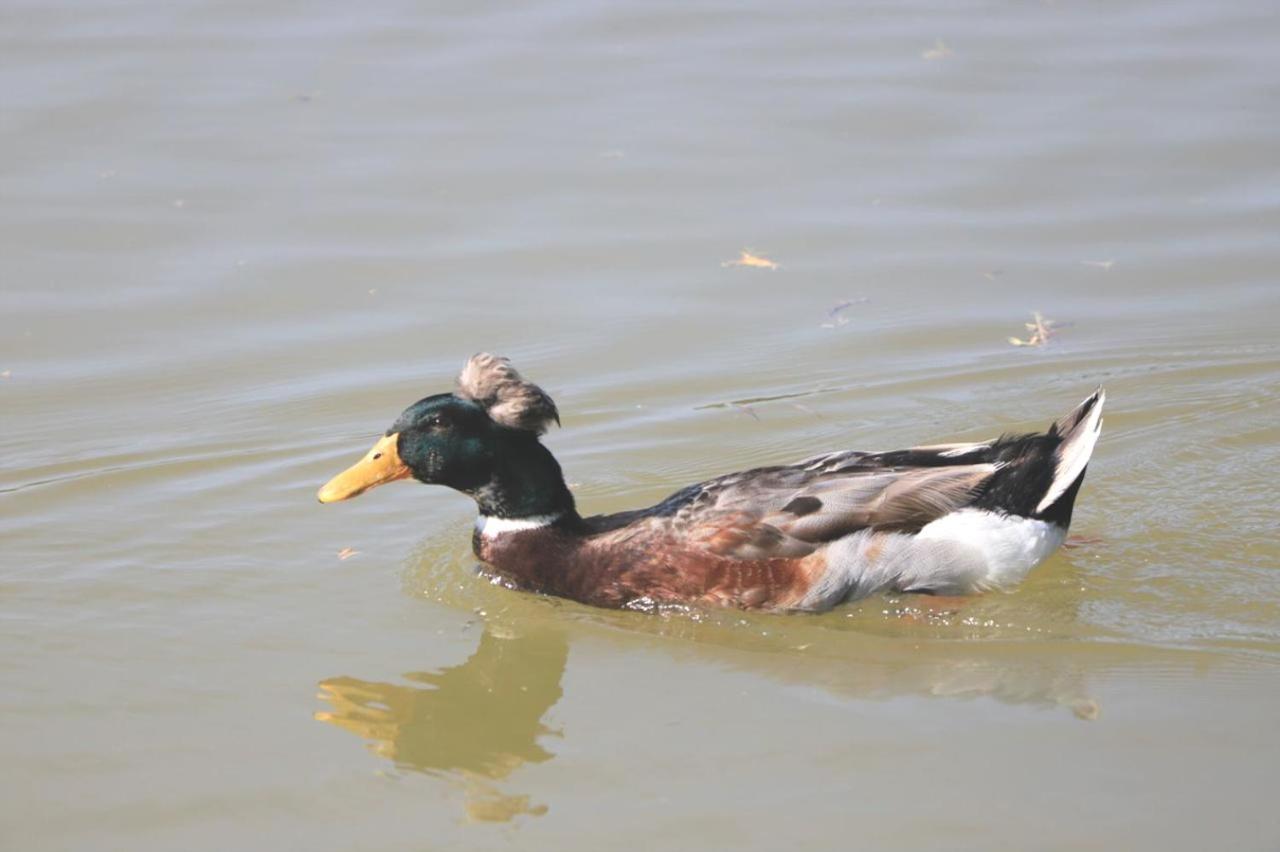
[380, 465]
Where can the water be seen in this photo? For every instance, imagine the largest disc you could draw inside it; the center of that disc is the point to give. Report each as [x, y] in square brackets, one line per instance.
[235, 240]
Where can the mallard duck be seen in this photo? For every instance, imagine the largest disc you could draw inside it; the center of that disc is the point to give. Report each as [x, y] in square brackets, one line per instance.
[948, 519]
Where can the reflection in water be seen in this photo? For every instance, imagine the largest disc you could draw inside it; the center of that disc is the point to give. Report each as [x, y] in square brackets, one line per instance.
[476, 722]
[915, 645]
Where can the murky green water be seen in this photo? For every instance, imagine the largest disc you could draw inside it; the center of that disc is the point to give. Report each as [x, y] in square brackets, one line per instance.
[236, 239]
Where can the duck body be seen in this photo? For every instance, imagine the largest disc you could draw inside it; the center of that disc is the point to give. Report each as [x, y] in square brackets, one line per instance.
[946, 519]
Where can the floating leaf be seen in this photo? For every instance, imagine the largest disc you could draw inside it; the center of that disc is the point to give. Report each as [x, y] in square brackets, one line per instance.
[1041, 330]
[746, 258]
[347, 553]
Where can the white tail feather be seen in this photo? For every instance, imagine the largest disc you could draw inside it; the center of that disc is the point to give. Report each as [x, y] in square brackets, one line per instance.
[1079, 431]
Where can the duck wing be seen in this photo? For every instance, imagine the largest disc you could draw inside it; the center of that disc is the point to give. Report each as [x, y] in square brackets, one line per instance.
[791, 510]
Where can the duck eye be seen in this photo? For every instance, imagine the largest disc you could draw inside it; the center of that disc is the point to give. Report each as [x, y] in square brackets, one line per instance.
[377, 456]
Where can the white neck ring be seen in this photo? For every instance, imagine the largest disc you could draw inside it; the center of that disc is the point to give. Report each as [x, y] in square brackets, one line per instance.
[491, 527]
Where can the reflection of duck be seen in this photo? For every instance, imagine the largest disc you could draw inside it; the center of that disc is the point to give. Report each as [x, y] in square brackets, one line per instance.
[478, 721]
[951, 519]
[475, 724]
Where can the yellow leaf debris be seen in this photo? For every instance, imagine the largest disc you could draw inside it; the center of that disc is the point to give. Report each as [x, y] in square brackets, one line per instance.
[746, 258]
[1041, 330]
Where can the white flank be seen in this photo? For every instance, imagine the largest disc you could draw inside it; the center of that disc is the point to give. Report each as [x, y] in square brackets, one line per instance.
[492, 527]
[968, 551]
[1074, 453]
[1009, 545]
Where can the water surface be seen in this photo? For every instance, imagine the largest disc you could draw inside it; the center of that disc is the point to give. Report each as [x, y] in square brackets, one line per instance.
[235, 240]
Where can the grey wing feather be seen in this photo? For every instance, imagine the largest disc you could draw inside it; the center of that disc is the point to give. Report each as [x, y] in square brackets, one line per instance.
[789, 511]
[884, 499]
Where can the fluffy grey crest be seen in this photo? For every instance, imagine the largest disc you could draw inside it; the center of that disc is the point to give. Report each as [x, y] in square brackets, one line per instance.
[510, 400]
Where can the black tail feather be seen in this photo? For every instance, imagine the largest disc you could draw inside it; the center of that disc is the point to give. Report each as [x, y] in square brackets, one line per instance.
[1040, 475]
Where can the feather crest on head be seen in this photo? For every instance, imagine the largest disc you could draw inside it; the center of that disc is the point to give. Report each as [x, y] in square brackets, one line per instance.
[511, 401]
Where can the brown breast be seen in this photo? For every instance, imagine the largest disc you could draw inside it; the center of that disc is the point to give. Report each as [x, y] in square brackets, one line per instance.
[628, 566]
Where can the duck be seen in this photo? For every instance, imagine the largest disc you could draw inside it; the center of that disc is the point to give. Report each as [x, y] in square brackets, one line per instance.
[950, 519]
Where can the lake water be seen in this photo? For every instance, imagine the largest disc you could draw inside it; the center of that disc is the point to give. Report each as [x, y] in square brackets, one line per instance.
[236, 239]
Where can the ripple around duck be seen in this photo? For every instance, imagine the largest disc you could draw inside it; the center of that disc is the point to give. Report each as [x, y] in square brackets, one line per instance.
[1025, 648]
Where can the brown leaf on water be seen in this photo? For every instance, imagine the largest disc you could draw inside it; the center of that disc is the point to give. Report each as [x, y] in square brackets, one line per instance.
[347, 553]
[1041, 330]
[746, 258]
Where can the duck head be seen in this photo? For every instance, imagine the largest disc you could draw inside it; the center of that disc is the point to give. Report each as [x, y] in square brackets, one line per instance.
[482, 440]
